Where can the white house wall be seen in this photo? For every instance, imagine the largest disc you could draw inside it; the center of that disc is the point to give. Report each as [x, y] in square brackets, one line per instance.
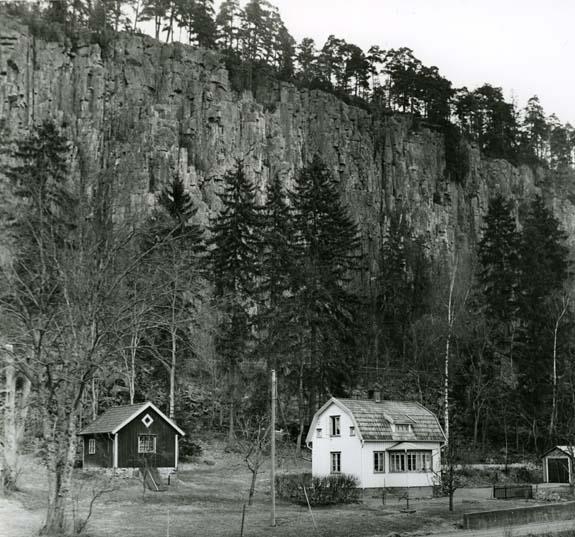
[357, 460]
[349, 446]
[370, 479]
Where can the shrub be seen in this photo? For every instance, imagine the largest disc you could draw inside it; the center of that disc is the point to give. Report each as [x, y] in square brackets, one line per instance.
[189, 450]
[330, 490]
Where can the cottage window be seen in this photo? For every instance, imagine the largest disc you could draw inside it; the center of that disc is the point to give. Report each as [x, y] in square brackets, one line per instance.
[410, 461]
[334, 426]
[91, 446]
[318, 432]
[352, 431]
[379, 461]
[146, 443]
[335, 457]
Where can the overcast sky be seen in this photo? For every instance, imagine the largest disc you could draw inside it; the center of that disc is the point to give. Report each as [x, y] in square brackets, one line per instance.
[525, 46]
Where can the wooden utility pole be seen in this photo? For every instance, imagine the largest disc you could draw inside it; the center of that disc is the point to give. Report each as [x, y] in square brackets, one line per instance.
[273, 448]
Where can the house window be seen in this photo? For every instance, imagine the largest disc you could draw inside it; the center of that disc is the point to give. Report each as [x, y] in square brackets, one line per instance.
[379, 461]
[352, 431]
[410, 461]
[334, 426]
[146, 443]
[397, 462]
[402, 428]
[335, 457]
[91, 446]
[318, 432]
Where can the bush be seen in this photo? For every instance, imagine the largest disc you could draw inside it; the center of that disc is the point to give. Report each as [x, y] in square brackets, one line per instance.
[189, 450]
[330, 490]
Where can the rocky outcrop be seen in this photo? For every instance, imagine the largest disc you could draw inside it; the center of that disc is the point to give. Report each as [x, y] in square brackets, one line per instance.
[148, 111]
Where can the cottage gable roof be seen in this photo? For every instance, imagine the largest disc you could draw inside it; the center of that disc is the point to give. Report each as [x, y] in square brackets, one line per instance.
[374, 420]
[117, 417]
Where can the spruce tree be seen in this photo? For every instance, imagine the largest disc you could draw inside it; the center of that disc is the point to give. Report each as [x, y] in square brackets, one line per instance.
[544, 271]
[234, 263]
[327, 257]
[498, 255]
[174, 246]
[277, 278]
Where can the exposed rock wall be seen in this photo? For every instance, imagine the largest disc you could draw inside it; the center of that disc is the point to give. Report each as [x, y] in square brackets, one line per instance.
[148, 111]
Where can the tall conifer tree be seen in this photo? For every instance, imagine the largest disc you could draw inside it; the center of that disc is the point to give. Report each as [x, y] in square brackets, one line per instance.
[235, 266]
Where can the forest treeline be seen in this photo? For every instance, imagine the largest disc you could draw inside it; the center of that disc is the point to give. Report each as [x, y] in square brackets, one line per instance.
[257, 45]
[97, 312]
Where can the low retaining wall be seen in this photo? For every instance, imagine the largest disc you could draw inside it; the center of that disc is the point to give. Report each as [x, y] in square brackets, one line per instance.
[519, 515]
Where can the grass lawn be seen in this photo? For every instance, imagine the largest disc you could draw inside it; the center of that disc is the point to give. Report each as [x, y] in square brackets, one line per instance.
[207, 500]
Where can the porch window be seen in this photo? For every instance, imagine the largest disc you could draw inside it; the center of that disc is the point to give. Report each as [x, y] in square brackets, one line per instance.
[410, 461]
[335, 457]
[91, 446]
[334, 426]
[146, 443]
[379, 461]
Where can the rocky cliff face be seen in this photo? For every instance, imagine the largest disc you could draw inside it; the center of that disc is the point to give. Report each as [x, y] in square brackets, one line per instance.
[148, 111]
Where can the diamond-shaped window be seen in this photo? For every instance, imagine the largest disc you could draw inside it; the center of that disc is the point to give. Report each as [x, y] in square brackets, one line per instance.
[147, 420]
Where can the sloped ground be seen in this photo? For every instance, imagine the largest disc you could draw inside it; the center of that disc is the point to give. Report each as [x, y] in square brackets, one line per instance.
[208, 499]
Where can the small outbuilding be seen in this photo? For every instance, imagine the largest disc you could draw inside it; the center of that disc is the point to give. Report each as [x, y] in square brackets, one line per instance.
[558, 464]
[129, 437]
[384, 444]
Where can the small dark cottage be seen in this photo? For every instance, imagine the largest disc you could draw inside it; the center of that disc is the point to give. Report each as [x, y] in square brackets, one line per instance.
[126, 436]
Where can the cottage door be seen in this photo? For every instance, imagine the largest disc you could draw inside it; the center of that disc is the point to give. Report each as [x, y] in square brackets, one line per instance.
[558, 470]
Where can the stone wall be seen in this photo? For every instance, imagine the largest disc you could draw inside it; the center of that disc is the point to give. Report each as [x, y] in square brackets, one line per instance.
[519, 515]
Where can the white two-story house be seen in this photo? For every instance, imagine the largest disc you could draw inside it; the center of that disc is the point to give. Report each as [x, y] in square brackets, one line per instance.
[392, 444]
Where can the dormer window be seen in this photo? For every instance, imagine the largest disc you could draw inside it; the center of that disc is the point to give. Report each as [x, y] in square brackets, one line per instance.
[318, 432]
[352, 431]
[334, 429]
[402, 428]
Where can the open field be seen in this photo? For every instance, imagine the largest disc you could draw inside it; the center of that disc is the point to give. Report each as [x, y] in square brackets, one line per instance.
[207, 500]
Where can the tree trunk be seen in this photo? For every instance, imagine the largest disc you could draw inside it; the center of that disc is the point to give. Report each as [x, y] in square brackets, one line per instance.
[173, 375]
[554, 403]
[61, 452]
[231, 423]
[252, 486]
[300, 410]
[450, 320]
[10, 440]
[94, 399]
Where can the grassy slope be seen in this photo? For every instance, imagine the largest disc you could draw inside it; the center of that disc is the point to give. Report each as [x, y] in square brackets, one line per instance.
[208, 499]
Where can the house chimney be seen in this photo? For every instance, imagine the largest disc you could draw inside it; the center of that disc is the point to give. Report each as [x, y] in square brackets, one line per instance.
[374, 395]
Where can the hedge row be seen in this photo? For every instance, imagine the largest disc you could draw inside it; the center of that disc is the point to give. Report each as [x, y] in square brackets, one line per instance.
[330, 490]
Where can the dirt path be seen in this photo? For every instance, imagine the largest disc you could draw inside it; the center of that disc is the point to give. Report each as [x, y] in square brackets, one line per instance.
[538, 528]
[16, 521]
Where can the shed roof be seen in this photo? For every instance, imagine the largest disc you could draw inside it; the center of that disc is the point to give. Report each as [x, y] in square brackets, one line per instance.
[568, 450]
[374, 420]
[117, 417]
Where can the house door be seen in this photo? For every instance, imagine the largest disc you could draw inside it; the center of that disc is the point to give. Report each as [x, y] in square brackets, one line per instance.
[558, 470]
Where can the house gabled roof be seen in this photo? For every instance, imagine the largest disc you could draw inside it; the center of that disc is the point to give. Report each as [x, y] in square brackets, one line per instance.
[118, 417]
[373, 420]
